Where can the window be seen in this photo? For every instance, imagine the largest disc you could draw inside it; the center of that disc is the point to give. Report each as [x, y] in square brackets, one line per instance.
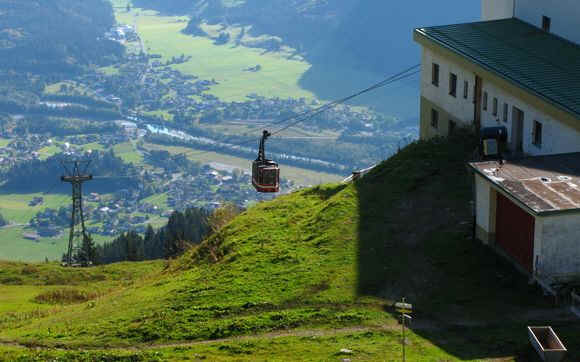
[537, 134]
[452, 84]
[435, 75]
[434, 119]
[505, 112]
[495, 107]
[452, 126]
[465, 89]
[546, 23]
[485, 101]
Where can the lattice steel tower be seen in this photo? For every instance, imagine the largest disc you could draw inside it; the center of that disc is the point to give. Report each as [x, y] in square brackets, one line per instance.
[78, 232]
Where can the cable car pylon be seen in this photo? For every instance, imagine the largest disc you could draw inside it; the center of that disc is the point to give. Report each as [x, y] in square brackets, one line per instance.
[77, 234]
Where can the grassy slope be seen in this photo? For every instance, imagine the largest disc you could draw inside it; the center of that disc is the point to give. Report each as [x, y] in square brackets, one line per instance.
[21, 283]
[325, 259]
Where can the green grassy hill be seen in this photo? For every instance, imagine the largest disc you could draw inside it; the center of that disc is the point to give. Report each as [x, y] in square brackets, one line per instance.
[304, 276]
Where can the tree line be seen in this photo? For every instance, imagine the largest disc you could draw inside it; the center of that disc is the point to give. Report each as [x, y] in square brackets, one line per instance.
[58, 36]
[182, 231]
[36, 175]
[56, 126]
[71, 111]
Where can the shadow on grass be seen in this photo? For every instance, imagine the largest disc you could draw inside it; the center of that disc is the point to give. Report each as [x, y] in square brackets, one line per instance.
[415, 242]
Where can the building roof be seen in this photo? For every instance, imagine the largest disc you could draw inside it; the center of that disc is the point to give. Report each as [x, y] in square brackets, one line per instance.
[540, 62]
[543, 184]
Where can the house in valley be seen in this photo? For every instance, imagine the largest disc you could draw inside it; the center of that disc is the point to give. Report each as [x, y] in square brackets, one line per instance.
[519, 69]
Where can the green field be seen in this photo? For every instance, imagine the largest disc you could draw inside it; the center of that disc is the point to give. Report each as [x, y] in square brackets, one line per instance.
[48, 151]
[15, 207]
[55, 88]
[13, 246]
[159, 200]
[4, 142]
[298, 175]
[279, 76]
[128, 153]
[20, 283]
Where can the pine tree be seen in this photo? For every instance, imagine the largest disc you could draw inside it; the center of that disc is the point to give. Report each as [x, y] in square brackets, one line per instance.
[87, 253]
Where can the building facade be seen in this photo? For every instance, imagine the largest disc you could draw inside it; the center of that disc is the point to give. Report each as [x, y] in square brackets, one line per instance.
[518, 68]
[472, 76]
[529, 210]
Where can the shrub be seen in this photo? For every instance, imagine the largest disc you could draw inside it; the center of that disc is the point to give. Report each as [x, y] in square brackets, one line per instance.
[65, 296]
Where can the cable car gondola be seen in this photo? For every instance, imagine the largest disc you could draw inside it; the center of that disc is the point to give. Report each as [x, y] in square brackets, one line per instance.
[265, 173]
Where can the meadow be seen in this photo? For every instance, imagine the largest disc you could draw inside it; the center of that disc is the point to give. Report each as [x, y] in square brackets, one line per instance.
[311, 273]
[4, 142]
[163, 35]
[128, 153]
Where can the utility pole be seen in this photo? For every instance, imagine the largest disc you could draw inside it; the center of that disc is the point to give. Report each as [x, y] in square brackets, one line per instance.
[78, 234]
[405, 309]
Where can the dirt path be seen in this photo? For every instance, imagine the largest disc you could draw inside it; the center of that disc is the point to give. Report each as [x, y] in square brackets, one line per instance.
[271, 335]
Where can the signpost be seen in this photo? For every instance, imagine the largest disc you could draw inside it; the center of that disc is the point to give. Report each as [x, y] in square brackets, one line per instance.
[405, 309]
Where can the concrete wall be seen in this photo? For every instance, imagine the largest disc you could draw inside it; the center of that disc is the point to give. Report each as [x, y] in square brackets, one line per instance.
[497, 9]
[458, 109]
[557, 247]
[485, 213]
[565, 15]
[556, 136]
[556, 241]
[426, 131]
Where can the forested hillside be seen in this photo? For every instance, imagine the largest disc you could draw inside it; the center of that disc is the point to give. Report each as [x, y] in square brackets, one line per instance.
[46, 36]
[42, 175]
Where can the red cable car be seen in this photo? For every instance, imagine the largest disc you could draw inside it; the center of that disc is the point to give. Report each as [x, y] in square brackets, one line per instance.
[265, 173]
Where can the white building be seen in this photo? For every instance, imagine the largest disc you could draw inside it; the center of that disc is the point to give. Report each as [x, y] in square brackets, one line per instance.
[519, 68]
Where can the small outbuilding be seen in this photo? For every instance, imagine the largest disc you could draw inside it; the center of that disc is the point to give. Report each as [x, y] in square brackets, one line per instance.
[529, 210]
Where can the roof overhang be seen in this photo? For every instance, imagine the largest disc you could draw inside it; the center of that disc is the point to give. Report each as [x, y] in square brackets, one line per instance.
[543, 185]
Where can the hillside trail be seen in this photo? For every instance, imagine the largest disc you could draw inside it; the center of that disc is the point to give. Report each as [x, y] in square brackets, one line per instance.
[559, 314]
[313, 333]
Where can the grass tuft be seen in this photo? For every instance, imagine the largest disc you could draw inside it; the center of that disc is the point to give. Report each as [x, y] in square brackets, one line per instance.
[65, 296]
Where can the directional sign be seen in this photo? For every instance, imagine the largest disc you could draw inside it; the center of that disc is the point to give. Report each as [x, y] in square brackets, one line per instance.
[404, 307]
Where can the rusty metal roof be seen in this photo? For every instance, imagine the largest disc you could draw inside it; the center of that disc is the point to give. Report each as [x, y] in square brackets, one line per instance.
[543, 184]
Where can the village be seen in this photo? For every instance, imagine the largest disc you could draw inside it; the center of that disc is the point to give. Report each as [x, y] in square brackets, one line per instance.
[173, 183]
[143, 85]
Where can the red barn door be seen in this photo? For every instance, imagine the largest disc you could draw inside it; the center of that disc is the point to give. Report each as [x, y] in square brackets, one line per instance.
[515, 232]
